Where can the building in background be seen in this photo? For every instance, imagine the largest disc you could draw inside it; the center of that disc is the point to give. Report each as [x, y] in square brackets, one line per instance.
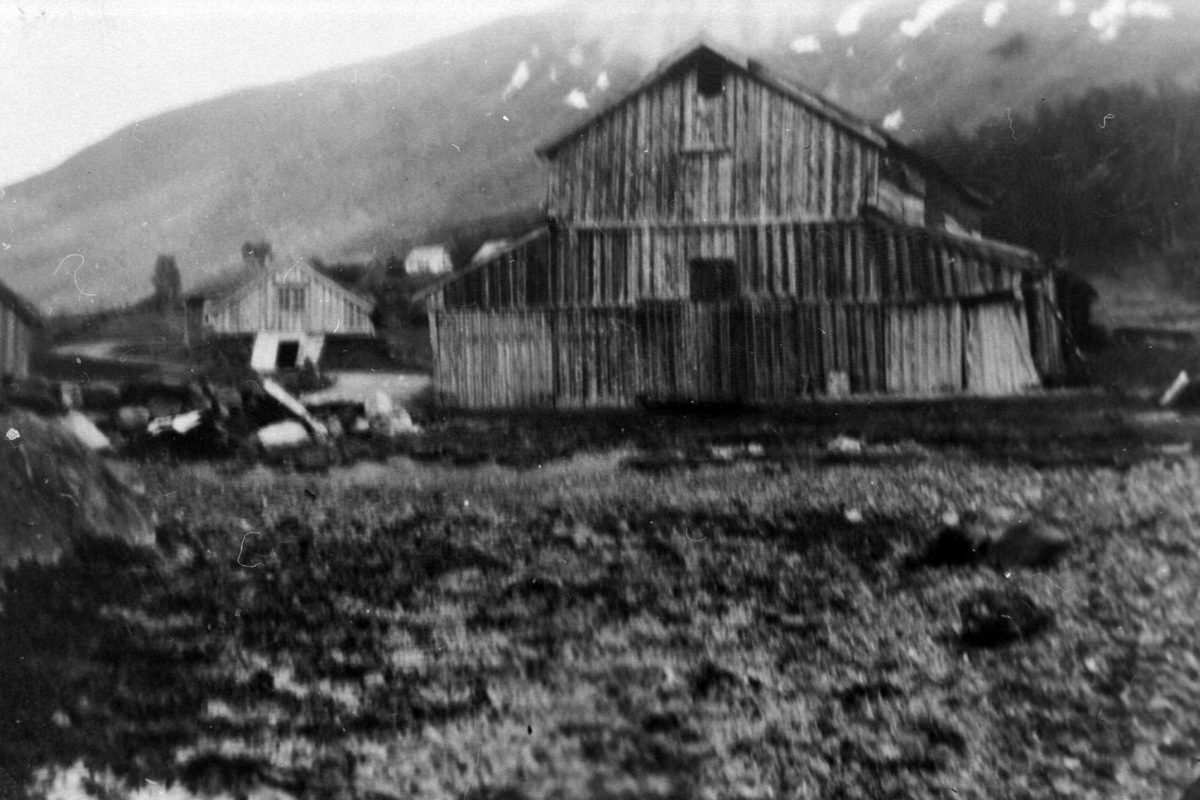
[20, 326]
[720, 234]
[286, 307]
[428, 260]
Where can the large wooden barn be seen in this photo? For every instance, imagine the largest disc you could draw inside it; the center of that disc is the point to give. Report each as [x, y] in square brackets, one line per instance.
[722, 235]
[19, 327]
[288, 308]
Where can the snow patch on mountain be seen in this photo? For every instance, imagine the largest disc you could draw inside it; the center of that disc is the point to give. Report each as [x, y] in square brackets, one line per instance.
[1066, 8]
[1110, 17]
[602, 82]
[806, 44]
[553, 76]
[993, 12]
[927, 14]
[850, 20]
[520, 77]
[894, 120]
[576, 99]
[575, 57]
[1150, 10]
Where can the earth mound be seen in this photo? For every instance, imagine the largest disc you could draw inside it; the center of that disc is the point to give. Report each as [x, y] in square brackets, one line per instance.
[56, 491]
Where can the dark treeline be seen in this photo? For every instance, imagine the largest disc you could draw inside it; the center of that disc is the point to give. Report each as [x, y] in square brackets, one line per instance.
[1109, 174]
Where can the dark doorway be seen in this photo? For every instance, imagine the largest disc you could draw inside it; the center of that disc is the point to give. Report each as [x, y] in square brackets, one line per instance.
[714, 279]
[287, 355]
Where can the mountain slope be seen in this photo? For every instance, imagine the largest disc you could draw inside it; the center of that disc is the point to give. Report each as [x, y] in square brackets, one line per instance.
[352, 162]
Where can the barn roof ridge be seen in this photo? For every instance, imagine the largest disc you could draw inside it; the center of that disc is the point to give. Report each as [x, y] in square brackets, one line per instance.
[740, 61]
[774, 79]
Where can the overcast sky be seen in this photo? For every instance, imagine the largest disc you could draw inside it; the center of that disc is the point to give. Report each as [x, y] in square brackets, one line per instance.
[74, 71]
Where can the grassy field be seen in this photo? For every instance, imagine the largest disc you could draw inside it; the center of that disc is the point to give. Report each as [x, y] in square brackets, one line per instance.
[585, 629]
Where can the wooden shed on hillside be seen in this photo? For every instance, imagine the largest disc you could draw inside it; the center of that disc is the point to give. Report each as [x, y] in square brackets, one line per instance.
[722, 235]
[20, 324]
[287, 307]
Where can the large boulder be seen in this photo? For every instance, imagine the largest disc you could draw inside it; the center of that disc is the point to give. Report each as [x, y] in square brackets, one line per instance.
[960, 540]
[56, 491]
[1029, 542]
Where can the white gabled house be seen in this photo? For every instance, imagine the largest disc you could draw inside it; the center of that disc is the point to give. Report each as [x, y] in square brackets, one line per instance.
[288, 307]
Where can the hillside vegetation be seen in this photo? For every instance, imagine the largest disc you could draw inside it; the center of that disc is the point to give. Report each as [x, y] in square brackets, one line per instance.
[357, 163]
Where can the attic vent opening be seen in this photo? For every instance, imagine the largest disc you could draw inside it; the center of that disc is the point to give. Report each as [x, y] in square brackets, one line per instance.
[710, 78]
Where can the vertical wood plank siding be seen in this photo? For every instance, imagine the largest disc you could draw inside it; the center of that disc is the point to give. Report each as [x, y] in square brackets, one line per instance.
[860, 260]
[758, 351]
[327, 307]
[16, 342]
[763, 155]
[830, 296]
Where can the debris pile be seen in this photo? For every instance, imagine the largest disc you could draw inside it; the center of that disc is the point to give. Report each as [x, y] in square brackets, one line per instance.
[200, 419]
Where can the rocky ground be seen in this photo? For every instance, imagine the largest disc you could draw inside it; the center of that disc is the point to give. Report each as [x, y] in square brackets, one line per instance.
[616, 624]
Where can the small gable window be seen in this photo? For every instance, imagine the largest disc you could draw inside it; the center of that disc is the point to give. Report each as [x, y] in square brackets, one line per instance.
[706, 115]
[710, 78]
[291, 298]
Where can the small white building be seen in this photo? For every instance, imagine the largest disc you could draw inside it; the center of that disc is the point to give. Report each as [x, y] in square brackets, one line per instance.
[288, 307]
[431, 259]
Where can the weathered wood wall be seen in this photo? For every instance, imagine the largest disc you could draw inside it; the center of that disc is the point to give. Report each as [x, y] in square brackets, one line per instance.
[326, 307]
[998, 354]
[669, 154]
[819, 250]
[1045, 326]
[16, 342]
[756, 351]
[866, 260]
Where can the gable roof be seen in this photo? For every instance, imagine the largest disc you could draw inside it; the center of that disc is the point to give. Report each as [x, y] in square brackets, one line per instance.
[701, 47]
[25, 310]
[233, 281]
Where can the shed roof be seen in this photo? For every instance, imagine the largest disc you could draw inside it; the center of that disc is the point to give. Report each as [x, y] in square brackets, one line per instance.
[477, 264]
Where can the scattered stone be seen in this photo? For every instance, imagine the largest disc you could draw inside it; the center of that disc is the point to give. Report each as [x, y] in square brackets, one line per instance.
[131, 418]
[396, 423]
[959, 541]
[710, 678]
[289, 433]
[992, 618]
[1028, 543]
[846, 446]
